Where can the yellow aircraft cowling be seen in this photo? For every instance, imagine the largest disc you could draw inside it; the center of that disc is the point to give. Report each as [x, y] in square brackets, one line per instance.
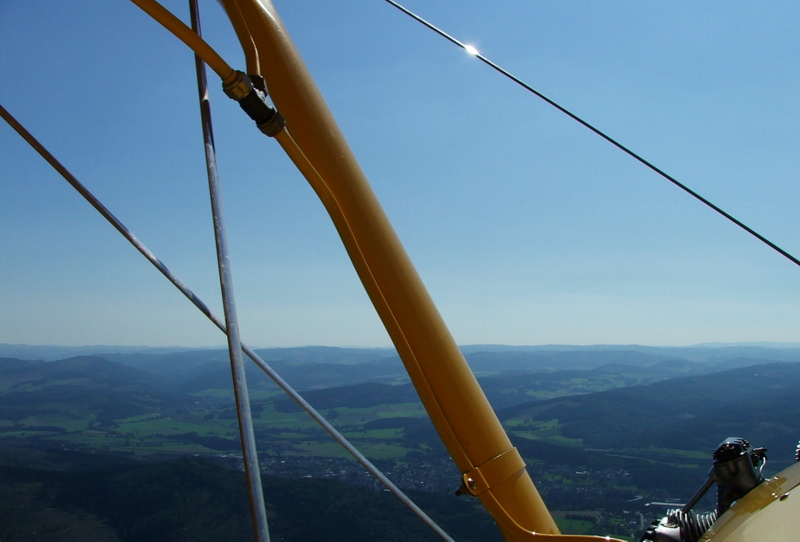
[769, 512]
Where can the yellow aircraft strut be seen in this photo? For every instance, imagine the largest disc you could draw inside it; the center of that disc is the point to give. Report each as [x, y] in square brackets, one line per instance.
[492, 468]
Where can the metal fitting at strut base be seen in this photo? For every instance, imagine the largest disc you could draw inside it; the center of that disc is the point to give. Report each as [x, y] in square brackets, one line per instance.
[274, 125]
[491, 473]
[253, 101]
[237, 86]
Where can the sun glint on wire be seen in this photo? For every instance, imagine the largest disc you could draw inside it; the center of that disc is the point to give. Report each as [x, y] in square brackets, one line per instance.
[474, 52]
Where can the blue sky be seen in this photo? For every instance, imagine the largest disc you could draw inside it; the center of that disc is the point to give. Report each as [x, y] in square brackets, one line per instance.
[526, 228]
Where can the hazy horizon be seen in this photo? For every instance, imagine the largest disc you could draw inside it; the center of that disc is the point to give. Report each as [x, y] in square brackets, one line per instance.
[745, 344]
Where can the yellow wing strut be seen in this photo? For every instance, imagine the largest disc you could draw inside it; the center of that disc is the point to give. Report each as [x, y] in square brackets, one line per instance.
[491, 467]
[457, 406]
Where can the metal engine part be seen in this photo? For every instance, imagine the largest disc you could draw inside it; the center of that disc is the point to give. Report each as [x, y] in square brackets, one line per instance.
[736, 471]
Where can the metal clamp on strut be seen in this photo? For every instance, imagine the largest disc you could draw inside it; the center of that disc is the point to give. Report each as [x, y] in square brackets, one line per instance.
[251, 94]
[491, 473]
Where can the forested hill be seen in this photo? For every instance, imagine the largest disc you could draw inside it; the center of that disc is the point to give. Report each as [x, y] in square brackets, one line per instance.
[604, 431]
[692, 413]
[195, 499]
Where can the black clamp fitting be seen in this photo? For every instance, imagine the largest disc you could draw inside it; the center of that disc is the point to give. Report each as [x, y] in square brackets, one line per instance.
[251, 94]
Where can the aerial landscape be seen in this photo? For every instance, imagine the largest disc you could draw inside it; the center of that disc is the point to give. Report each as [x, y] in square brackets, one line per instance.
[626, 335]
[612, 435]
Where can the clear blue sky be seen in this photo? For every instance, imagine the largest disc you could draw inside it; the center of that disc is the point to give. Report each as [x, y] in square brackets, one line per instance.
[526, 228]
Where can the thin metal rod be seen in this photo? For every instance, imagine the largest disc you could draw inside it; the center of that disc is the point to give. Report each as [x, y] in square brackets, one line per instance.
[255, 491]
[699, 493]
[202, 307]
[109, 216]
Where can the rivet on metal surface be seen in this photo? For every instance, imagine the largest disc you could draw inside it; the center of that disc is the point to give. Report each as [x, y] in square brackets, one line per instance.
[473, 485]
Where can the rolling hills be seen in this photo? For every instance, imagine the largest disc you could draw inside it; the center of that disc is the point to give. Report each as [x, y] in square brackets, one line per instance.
[598, 426]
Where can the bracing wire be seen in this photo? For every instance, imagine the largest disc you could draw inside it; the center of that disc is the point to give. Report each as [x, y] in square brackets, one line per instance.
[597, 131]
[202, 307]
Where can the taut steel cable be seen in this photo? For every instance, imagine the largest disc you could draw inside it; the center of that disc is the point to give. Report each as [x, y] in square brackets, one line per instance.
[597, 131]
[200, 305]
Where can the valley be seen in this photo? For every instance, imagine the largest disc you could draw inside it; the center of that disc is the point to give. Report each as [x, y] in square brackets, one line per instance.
[605, 432]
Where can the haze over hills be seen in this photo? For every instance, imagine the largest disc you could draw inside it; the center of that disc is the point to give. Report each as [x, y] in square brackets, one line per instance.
[603, 424]
[692, 413]
[599, 396]
[491, 358]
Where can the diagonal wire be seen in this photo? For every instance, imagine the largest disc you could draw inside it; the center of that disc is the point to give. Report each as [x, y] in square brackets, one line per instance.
[197, 302]
[598, 132]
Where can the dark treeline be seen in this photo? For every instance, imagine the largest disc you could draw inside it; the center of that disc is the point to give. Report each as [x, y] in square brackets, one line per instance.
[195, 499]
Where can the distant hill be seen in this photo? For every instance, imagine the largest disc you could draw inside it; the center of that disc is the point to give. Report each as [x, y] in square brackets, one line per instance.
[602, 397]
[76, 386]
[489, 361]
[510, 376]
[86, 372]
[551, 356]
[606, 426]
[307, 367]
[302, 377]
[696, 412]
[55, 352]
[355, 396]
[515, 387]
[499, 357]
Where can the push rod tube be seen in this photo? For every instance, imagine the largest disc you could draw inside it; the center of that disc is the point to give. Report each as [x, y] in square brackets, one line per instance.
[255, 490]
[492, 468]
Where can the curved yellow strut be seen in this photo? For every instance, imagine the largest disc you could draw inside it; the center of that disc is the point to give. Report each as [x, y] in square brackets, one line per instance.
[492, 469]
